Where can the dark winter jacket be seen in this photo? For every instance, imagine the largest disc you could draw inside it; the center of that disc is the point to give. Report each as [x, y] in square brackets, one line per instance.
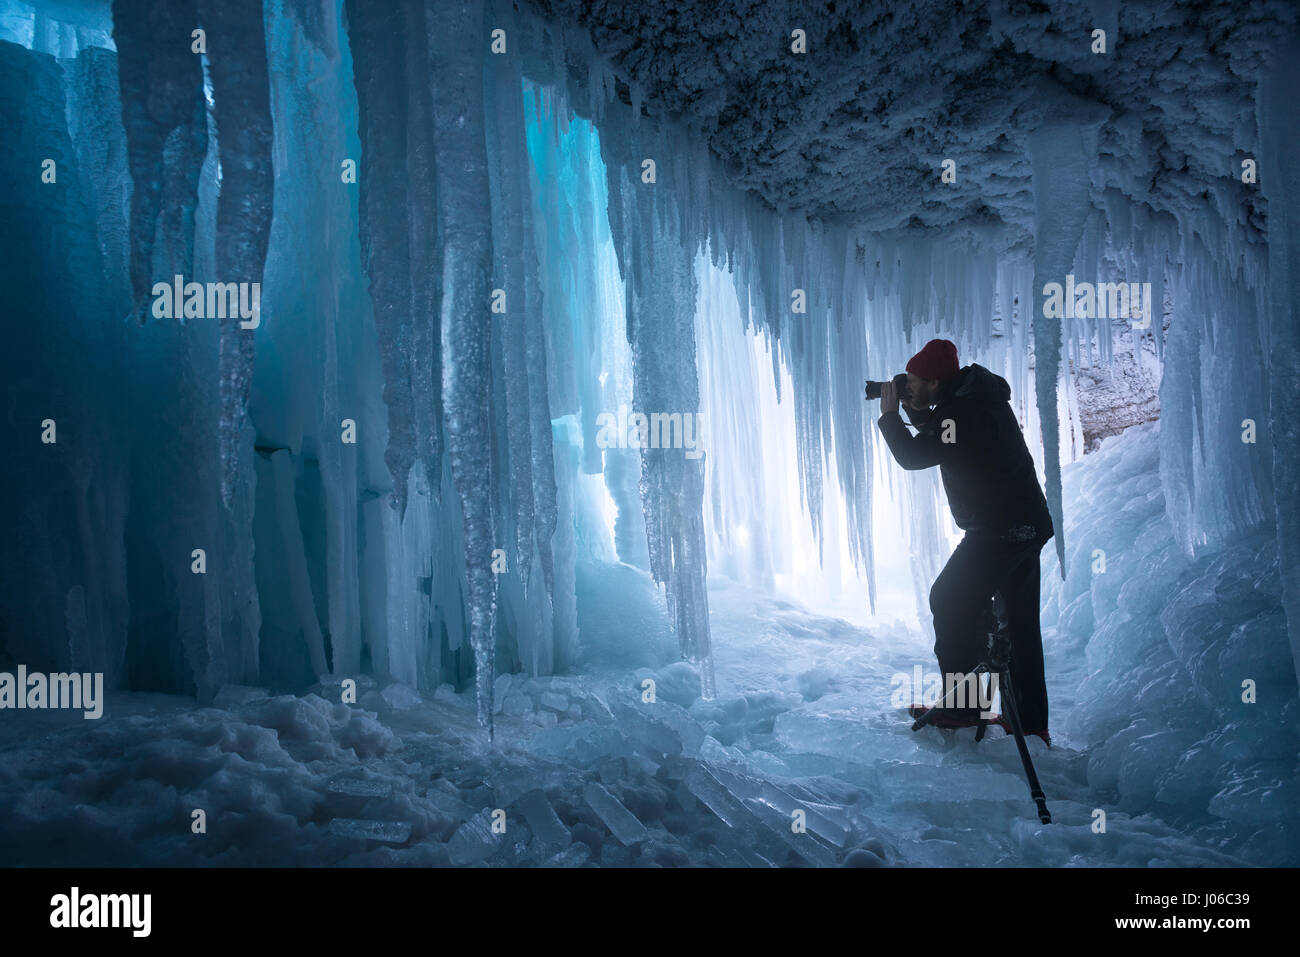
[987, 470]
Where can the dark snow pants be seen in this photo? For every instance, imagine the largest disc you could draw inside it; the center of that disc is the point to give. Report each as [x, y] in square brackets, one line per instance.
[982, 564]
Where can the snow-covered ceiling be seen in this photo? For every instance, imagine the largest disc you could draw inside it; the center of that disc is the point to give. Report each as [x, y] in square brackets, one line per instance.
[857, 128]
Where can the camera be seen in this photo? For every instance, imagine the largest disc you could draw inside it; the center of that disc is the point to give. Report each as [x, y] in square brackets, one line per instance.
[900, 387]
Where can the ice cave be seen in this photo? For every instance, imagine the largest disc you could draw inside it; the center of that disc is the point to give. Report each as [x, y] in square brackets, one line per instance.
[437, 434]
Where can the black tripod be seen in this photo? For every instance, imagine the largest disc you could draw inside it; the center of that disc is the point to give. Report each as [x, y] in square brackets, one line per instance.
[997, 662]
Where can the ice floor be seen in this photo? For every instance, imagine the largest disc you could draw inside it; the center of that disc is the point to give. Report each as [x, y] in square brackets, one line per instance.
[586, 771]
[583, 768]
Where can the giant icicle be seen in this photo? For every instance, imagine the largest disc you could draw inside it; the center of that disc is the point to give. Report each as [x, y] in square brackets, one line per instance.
[1061, 203]
[659, 274]
[241, 89]
[456, 41]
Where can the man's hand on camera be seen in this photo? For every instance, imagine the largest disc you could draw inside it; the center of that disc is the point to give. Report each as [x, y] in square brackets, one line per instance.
[888, 398]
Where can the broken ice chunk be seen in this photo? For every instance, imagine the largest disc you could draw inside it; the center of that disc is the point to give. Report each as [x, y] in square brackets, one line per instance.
[575, 855]
[400, 696]
[621, 822]
[446, 693]
[474, 840]
[546, 824]
[448, 804]
[713, 795]
[517, 704]
[555, 702]
[582, 744]
[828, 822]
[753, 858]
[360, 787]
[738, 802]
[511, 782]
[389, 832]
[655, 736]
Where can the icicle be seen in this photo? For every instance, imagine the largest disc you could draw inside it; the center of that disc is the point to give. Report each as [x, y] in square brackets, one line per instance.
[1061, 198]
[237, 64]
[456, 43]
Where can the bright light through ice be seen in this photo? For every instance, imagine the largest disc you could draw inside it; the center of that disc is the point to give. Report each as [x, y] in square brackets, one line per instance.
[605, 502]
[757, 524]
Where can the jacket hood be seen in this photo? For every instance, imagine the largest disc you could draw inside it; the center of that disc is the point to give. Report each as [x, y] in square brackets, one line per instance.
[978, 383]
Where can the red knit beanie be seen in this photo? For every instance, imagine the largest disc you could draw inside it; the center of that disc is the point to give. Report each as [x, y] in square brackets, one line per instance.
[938, 360]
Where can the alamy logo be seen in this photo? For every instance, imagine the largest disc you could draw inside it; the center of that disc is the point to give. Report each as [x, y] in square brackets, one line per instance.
[36, 690]
[212, 300]
[75, 909]
[1104, 300]
[956, 689]
[658, 430]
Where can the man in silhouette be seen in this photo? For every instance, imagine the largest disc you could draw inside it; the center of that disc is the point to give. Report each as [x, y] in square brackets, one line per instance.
[965, 425]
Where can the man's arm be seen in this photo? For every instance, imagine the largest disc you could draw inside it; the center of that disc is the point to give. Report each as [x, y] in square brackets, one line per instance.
[918, 417]
[912, 452]
[927, 447]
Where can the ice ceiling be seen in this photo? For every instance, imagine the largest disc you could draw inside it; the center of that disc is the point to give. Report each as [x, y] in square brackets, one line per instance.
[856, 128]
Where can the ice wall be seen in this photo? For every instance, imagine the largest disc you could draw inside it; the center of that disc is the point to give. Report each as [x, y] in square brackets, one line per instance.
[63, 591]
[1280, 154]
[1186, 696]
[377, 474]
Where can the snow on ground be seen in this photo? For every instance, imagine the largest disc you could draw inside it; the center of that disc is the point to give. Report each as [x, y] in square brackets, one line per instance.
[583, 768]
[586, 770]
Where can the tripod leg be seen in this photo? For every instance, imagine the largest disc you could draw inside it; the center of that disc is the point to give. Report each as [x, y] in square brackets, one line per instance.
[985, 694]
[1035, 789]
[933, 713]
